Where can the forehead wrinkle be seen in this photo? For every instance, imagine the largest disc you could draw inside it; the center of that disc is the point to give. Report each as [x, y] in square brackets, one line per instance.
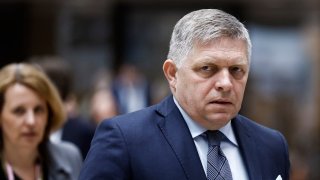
[223, 44]
[210, 60]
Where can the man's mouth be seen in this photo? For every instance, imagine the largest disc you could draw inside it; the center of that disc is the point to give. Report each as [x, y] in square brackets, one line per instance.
[222, 102]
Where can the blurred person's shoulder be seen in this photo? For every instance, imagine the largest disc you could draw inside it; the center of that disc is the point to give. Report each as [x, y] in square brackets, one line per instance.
[144, 121]
[79, 124]
[65, 160]
[63, 151]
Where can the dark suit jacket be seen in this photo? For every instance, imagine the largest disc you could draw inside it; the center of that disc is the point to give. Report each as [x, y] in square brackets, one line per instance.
[78, 132]
[155, 144]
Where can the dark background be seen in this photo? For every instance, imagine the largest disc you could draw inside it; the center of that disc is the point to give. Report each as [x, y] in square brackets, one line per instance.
[96, 37]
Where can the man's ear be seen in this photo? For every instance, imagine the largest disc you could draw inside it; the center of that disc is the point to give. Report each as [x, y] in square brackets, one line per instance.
[169, 69]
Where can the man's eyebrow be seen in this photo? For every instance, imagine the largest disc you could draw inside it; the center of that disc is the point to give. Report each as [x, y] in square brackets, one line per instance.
[240, 64]
[206, 60]
[215, 61]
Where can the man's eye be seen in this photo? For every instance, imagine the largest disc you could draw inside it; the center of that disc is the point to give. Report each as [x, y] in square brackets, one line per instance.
[237, 72]
[205, 68]
[206, 71]
[236, 69]
[209, 68]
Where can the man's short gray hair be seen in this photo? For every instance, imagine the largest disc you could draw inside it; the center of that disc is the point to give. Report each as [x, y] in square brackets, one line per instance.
[204, 26]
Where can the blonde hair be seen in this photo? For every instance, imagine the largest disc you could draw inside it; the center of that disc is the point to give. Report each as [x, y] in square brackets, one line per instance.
[33, 77]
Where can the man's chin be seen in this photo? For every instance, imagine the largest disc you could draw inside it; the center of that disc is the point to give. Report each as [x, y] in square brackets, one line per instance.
[219, 119]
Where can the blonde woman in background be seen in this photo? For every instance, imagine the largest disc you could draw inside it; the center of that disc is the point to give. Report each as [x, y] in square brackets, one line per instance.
[30, 109]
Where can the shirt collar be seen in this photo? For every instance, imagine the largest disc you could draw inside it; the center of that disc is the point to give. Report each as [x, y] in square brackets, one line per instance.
[196, 129]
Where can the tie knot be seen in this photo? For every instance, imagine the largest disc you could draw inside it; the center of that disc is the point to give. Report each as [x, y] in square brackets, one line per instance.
[214, 137]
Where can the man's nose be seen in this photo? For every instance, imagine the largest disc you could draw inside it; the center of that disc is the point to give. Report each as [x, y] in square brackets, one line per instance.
[223, 81]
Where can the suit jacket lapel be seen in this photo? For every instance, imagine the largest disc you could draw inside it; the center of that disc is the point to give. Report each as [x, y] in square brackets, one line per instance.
[179, 137]
[247, 147]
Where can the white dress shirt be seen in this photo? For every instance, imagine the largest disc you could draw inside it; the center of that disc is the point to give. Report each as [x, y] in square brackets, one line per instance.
[230, 149]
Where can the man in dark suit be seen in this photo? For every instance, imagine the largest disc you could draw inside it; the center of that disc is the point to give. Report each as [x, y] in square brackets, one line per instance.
[196, 133]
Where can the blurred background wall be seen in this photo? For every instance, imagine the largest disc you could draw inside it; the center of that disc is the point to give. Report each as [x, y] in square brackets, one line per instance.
[97, 37]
